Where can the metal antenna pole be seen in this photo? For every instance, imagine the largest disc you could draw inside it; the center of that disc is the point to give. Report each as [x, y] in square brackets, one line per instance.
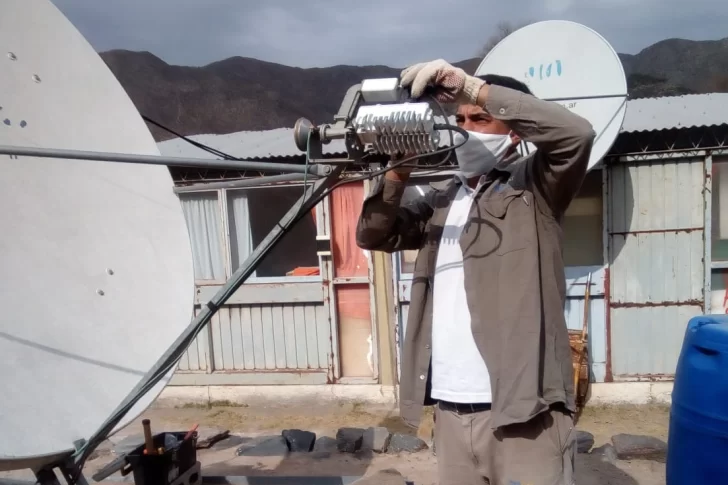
[157, 372]
[313, 169]
[247, 182]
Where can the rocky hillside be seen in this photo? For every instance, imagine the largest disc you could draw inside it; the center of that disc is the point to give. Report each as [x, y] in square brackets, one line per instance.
[700, 66]
[241, 93]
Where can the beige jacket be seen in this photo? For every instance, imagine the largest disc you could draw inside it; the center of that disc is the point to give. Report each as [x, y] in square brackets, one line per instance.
[514, 271]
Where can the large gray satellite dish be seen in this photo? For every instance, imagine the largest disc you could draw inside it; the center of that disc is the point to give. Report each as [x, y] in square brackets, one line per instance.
[572, 65]
[96, 266]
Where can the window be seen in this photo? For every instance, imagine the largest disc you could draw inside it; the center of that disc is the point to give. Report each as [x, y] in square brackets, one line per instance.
[718, 296]
[221, 245]
[583, 224]
[719, 211]
[252, 214]
[719, 237]
[204, 224]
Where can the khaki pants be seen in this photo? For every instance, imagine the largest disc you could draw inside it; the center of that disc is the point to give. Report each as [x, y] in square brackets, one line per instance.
[539, 452]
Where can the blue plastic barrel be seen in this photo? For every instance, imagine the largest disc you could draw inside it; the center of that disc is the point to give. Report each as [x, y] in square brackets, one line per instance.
[697, 448]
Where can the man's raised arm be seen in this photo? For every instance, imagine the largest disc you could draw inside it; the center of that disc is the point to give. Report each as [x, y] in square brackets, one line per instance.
[564, 140]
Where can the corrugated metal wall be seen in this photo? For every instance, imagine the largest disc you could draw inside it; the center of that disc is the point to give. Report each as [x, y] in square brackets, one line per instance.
[656, 250]
[198, 356]
[290, 336]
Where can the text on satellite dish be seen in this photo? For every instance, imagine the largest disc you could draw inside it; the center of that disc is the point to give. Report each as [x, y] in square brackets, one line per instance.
[531, 72]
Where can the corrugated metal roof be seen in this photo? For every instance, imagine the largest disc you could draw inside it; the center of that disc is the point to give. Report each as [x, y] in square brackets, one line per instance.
[249, 145]
[693, 110]
[648, 114]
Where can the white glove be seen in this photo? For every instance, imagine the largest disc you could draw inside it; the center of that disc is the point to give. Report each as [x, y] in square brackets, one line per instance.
[451, 84]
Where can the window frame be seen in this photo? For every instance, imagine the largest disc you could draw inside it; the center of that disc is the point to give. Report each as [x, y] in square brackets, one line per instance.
[222, 200]
[710, 167]
[713, 268]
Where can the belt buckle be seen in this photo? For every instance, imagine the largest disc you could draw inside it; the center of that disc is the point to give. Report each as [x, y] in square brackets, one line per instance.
[464, 408]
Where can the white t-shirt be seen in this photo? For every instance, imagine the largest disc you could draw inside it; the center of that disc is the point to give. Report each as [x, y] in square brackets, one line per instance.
[459, 373]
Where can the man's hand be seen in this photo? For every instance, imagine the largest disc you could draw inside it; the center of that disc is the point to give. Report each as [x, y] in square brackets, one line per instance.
[451, 84]
[401, 173]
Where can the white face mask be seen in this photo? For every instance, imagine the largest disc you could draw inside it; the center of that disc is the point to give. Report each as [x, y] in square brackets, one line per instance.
[481, 152]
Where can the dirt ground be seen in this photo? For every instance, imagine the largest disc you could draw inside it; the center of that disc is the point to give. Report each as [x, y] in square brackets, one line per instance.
[419, 468]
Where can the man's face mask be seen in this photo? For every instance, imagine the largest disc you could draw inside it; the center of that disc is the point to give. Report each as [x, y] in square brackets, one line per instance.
[481, 152]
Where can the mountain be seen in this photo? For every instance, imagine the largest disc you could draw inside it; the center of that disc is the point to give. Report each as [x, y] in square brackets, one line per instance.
[676, 66]
[241, 93]
[696, 65]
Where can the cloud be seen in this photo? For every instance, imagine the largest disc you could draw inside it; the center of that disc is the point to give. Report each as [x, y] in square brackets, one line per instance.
[321, 33]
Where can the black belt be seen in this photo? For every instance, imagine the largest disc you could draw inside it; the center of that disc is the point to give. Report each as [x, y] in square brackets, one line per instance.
[463, 408]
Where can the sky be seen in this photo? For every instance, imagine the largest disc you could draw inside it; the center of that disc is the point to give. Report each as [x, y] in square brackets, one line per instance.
[397, 33]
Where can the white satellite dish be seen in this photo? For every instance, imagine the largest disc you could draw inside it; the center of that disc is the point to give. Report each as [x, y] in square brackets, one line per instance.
[97, 279]
[572, 65]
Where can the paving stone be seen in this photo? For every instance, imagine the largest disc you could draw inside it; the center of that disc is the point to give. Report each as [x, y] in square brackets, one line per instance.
[584, 441]
[299, 440]
[376, 439]
[630, 447]
[264, 446]
[325, 444]
[349, 440]
[606, 453]
[404, 442]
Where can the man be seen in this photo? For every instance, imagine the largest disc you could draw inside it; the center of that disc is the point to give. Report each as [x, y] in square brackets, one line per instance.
[486, 337]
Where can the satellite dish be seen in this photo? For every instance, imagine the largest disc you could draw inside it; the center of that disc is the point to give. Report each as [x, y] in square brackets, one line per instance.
[572, 65]
[97, 278]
